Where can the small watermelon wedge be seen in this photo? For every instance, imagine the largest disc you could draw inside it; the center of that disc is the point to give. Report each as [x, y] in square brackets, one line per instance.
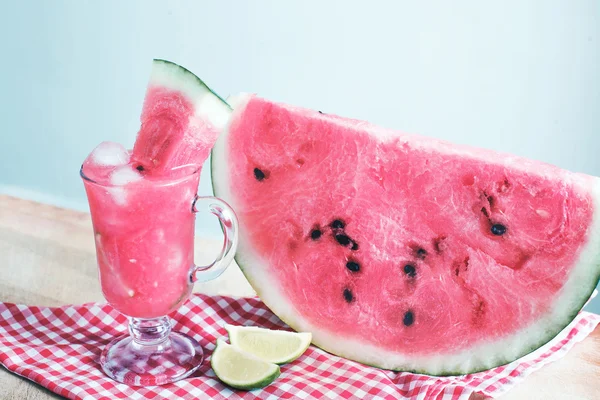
[180, 121]
[401, 251]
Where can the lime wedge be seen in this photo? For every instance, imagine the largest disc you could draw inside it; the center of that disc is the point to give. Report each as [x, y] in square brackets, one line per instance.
[241, 370]
[278, 347]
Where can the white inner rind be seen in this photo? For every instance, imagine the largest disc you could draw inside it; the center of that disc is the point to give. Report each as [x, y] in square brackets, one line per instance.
[208, 106]
[494, 352]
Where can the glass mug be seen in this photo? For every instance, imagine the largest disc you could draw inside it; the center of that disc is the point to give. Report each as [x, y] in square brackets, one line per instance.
[144, 234]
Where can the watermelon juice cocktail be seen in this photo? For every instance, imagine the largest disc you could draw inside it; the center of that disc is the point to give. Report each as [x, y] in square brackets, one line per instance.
[144, 236]
[144, 240]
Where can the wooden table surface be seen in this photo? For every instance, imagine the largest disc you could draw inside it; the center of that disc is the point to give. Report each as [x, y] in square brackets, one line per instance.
[47, 258]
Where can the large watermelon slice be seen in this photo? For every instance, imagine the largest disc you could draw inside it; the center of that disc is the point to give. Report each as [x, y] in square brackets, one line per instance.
[401, 251]
[181, 119]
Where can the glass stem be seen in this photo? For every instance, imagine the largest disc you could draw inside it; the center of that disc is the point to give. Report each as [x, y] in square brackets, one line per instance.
[149, 332]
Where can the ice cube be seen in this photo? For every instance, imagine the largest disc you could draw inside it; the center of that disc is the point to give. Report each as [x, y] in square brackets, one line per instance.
[124, 175]
[120, 177]
[109, 154]
[119, 195]
[103, 159]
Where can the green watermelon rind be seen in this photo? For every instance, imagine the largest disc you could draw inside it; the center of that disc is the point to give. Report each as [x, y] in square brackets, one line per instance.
[554, 330]
[189, 74]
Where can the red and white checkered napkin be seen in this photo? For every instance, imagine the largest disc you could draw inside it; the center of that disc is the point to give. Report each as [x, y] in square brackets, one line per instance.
[59, 348]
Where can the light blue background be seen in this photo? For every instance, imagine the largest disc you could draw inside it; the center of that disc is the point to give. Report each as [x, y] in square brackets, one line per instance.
[516, 76]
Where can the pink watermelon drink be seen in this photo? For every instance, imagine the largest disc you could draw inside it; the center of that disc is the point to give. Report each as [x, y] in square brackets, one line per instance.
[144, 230]
[142, 205]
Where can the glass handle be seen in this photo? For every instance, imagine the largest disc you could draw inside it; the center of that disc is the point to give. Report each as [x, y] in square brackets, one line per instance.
[229, 224]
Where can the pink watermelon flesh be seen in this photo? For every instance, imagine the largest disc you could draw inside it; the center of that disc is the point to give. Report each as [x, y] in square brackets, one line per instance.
[174, 130]
[404, 251]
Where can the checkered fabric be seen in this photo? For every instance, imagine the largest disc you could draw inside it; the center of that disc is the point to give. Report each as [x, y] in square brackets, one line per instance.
[59, 348]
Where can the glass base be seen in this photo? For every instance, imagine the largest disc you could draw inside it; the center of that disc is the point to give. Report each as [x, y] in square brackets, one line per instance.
[151, 355]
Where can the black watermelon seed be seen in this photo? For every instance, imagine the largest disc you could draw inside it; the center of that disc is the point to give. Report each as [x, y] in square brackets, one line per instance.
[354, 245]
[421, 253]
[498, 229]
[353, 266]
[315, 234]
[321, 112]
[410, 270]
[337, 224]
[342, 239]
[140, 168]
[409, 318]
[484, 212]
[348, 295]
[258, 174]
